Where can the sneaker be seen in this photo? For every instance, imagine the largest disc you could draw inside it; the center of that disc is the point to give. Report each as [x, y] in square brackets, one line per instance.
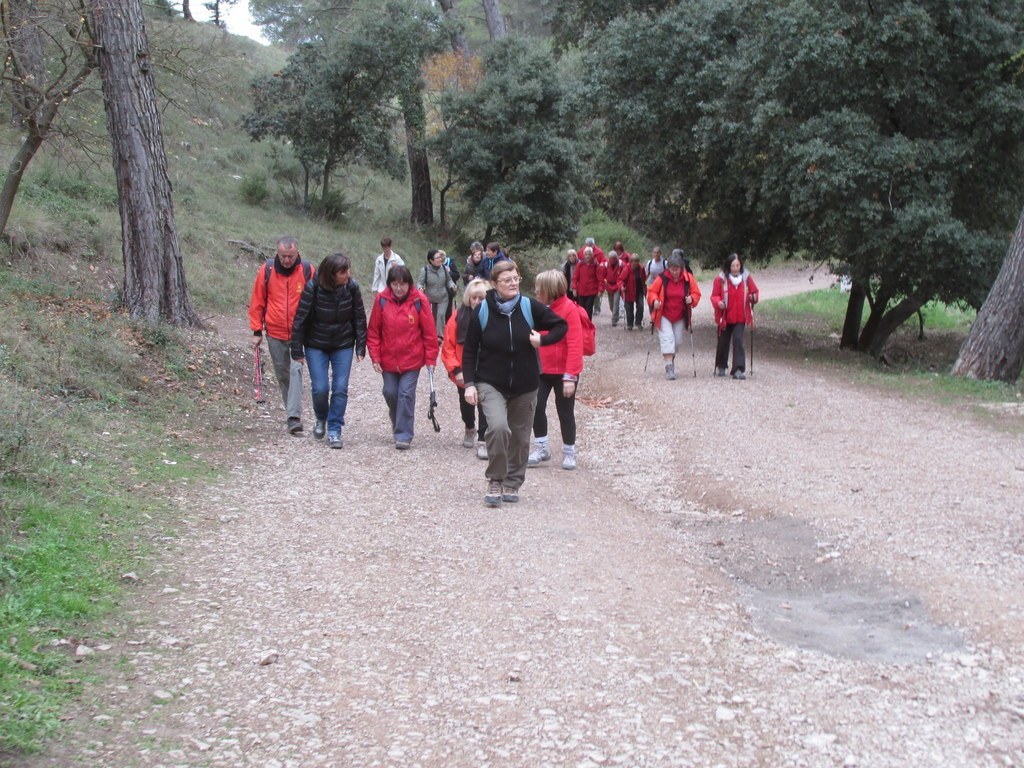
[334, 440]
[294, 425]
[511, 495]
[469, 439]
[493, 496]
[319, 429]
[481, 450]
[739, 375]
[537, 455]
[720, 372]
[670, 372]
[568, 461]
[402, 445]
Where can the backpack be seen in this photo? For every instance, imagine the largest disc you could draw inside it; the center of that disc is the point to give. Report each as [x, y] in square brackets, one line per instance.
[525, 305]
[307, 272]
[589, 332]
[415, 302]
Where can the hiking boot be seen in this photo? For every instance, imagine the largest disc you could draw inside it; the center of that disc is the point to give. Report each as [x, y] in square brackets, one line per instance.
[334, 440]
[294, 425]
[739, 375]
[481, 450]
[537, 455]
[568, 461]
[469, 439]
[720, 372]
[319, 429]
[493, 496]
[510, 495]
[670, 372]
[402, 445]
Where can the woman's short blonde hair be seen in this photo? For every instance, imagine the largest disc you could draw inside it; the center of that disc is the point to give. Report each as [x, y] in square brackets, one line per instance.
[501, 268]
[550, 285]
[476, 287]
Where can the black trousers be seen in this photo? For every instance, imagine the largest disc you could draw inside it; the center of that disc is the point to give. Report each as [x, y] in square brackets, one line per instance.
[587, 302]
[468, 415]
[733, 333]
[564, 406]
[635, 313]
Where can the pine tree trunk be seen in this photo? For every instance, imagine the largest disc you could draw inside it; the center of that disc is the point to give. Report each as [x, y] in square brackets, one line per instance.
[994, 348]
[457, 37]
[154, 277]
[422, 211]
[25, 53]
[495, 21]
[186, 12]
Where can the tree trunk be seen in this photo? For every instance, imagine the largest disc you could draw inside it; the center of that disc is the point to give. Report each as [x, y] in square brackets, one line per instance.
[495, 21]
[878, 307]
[15, 173]
[25, 52]
[854, 314]
[994, 348]
[889, 322]
[422, 211]
[154, 277]
[186, 12]
[456, 35]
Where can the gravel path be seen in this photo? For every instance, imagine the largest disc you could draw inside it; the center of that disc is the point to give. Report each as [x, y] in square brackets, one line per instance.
[843, 585]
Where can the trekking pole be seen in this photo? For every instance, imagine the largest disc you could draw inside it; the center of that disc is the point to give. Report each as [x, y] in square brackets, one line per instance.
[648, 350]
[257, 373]
[433, 401]
[751, 350]
[693, 350]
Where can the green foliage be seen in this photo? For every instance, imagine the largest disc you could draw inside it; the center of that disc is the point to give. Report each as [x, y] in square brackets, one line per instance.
[253, 189]
[512, 144]
[606, 231]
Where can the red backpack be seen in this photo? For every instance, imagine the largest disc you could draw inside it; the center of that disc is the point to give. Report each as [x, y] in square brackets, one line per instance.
[589, 332]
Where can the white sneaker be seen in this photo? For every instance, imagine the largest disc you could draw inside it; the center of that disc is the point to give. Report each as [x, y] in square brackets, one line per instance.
[481, 450]
[568, 461]
[537, 455]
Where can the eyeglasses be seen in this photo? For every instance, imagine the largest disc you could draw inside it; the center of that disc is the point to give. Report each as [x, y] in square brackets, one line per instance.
[510, 280]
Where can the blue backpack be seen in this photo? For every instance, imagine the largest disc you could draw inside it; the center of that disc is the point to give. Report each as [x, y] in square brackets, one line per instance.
[524, 304]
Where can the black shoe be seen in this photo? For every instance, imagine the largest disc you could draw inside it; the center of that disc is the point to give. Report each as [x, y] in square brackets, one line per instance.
[294, 425]
[319, 429]
[334, 441]
[739, 375]
[510, 495]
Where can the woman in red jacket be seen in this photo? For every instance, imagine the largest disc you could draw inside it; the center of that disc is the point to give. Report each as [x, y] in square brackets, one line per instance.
[586, 281]
[560, 368]
[615, 271]
[673, 296]
[733, 296]
[634, 290]
[451, 356]
[401, 338]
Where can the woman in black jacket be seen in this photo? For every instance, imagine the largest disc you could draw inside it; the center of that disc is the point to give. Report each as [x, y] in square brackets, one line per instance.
[330, 325]
[502, 373]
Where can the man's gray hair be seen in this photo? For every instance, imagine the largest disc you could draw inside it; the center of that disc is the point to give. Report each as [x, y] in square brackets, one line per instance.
[287, 242]
[589, 241]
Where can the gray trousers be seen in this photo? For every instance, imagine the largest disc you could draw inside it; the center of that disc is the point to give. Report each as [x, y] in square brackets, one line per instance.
[509, 426]
[289, 376]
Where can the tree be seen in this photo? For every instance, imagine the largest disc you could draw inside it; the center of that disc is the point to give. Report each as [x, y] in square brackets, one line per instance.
[215, 7]
[186, 11]
[154, 277]
[879, 139]
[48, 57]
[455, 31]
[512, 142]
[294, 22]
[994, 347]
[496, 27]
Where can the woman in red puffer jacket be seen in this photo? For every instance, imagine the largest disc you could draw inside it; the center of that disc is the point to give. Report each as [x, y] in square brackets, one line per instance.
[733, 297]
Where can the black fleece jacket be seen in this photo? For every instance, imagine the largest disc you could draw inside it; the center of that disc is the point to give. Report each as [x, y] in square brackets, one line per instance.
[501, 354]
[329, 320]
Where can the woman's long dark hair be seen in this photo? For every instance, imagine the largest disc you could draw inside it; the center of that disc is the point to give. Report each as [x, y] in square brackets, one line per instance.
[330, 267]
[727, 264]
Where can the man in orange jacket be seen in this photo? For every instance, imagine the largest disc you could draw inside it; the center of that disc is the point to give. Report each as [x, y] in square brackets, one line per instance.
[275, 297]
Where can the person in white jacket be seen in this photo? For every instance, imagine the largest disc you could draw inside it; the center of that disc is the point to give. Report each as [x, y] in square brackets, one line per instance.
[386, 259]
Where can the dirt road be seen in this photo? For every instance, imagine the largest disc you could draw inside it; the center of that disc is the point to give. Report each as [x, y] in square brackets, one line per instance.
[792, 570]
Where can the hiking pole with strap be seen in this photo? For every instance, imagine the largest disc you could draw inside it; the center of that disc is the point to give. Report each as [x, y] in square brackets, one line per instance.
[257, 373]
[649, 350]
[751, 339]
[689, 319]
[433, 401]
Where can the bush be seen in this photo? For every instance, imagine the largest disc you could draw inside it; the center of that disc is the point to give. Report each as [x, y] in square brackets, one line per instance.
[254, 189]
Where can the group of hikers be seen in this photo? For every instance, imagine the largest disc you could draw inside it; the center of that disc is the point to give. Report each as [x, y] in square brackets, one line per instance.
[506, 353]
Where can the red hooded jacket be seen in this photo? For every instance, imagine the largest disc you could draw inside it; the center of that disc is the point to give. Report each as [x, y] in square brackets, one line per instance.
[399, 337]
[565, 356]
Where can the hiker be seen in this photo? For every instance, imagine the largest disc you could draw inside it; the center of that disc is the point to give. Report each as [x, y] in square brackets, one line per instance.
[501, 371]
[401, 339]
[587, 281]
[672, 296]
[386, 259]
[614, 273]
[330, 325]
[568, 268]
[275, 297]
[634, 291]
[474, 263]
[451, 356]
[435, 281]
[601, 260]
[492, 255]
[560, 367]
[655, 265]
[733, 296]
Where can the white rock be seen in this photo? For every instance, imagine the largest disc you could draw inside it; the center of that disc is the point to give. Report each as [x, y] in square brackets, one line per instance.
[819, 740]
[724, 714]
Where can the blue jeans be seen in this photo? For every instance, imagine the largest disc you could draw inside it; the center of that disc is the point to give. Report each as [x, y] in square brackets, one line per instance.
[400, 395]
[340, 362]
